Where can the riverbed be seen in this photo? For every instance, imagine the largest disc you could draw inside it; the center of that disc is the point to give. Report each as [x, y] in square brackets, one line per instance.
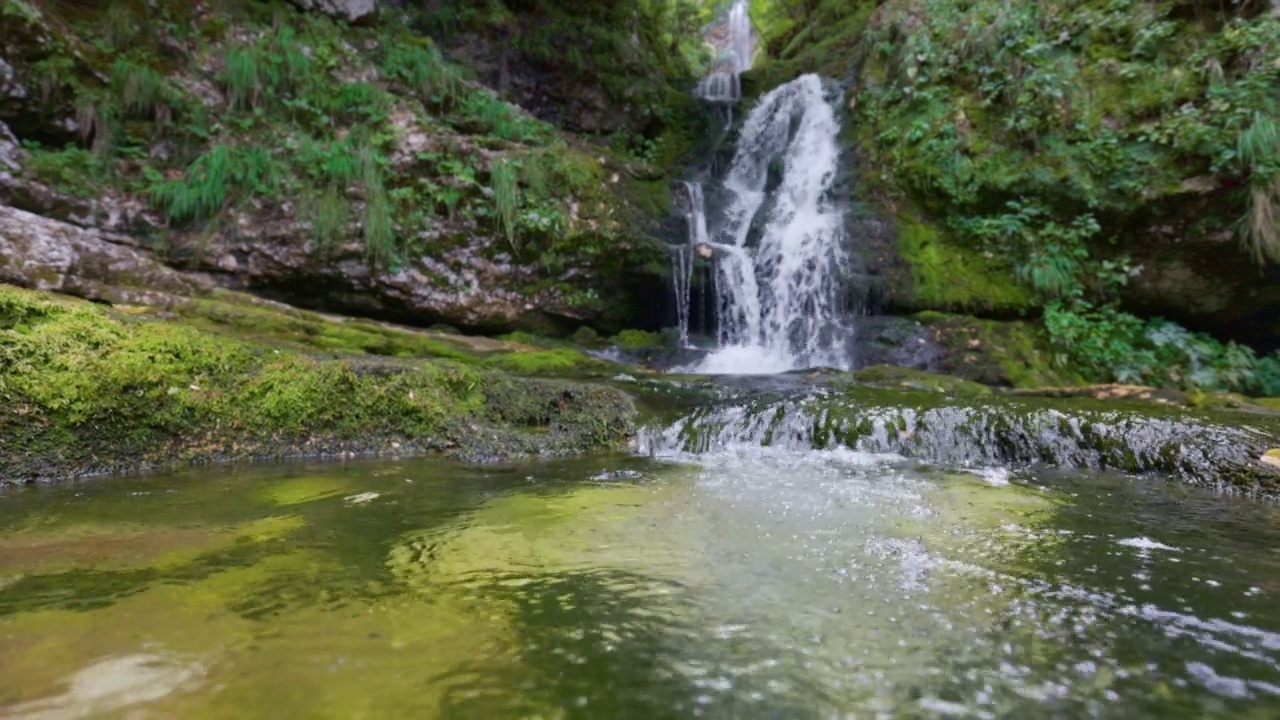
[747, 582]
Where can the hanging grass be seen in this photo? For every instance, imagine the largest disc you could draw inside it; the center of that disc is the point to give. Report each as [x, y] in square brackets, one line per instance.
[1259, 150]
[506, 197]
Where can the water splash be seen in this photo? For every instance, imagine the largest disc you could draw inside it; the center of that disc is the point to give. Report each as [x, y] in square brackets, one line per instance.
[779, 301]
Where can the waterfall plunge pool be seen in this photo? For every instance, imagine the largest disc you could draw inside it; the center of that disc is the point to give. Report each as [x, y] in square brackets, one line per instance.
[745, 582]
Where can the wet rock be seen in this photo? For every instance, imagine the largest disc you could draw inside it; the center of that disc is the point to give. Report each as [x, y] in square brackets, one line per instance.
[30, 37]
[45, 254]
[900, 341]
[458, 284]
[1110, 391]
[348, 10]
[1221, 451]
[900, 377]
[9, 152]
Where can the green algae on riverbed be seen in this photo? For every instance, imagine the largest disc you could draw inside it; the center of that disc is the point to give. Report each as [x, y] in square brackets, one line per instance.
[751, 583]
[84, 390]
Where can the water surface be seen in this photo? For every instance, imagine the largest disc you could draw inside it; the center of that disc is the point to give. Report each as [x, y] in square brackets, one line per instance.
[746, 584]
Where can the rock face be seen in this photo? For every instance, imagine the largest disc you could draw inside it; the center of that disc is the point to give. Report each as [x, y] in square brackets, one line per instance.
[9, 151]
[272, 255]
[1209, 285]
[29, 38]
[46, 254]
[349, 10]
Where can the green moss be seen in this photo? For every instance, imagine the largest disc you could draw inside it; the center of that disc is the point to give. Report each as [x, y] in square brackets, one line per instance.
[637, 340]
[246, 318]
[826, 40]
[83, 390]
[900, 377]
[949, 276]
[526, 338]
[1001, 353]
[542, 361]
[585, 336]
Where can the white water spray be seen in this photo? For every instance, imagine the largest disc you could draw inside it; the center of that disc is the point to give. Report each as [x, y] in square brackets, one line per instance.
[779, 300]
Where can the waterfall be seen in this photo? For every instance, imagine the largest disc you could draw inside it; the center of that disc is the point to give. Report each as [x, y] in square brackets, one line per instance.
[736, 52]
[682, 257]
[779, 298]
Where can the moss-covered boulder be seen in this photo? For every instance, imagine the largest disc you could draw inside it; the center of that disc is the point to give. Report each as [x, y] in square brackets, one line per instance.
[86, 390]
[995, 352]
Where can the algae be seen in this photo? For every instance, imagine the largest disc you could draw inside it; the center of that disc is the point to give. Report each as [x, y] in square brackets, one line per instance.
[86, 391]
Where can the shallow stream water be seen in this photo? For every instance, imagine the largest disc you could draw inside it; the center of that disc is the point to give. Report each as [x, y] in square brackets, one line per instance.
[750, 583]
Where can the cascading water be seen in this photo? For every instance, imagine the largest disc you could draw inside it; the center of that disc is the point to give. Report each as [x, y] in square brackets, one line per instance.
[682, 257]
[737, 50]
[779, 299]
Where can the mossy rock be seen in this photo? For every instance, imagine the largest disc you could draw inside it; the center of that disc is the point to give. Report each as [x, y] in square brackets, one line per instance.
[950, 277]
[586, 337]
[86, 390]
[997, 353]
[245, 317]
[539, 362]
[638, 340]
[907, 378]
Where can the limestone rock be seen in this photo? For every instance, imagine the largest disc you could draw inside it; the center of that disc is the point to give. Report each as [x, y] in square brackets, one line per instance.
[349, 10]
[458, 282]
[9, 152]
[45, 254]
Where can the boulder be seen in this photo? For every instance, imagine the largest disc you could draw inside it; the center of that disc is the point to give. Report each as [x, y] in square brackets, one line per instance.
[46, 254]
[348, 10]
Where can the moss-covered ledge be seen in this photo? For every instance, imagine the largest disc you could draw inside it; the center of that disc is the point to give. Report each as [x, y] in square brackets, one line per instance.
[85, 390]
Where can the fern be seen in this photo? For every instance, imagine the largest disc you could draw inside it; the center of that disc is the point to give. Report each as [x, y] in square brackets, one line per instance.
[506, 197]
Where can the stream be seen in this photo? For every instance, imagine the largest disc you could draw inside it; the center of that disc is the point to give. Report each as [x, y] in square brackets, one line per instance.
[744, 582]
